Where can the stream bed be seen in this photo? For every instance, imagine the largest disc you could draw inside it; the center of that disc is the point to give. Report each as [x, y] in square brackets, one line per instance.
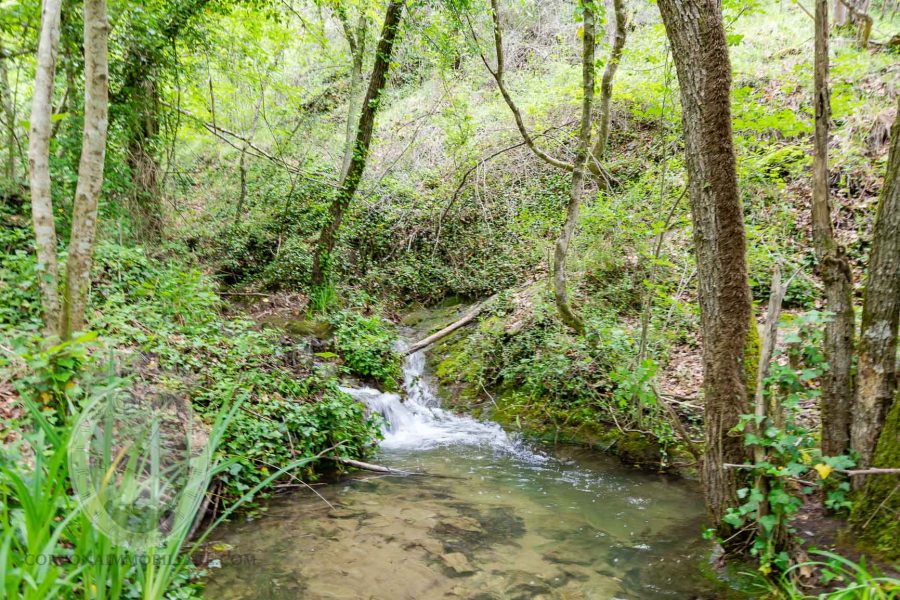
[489, 517]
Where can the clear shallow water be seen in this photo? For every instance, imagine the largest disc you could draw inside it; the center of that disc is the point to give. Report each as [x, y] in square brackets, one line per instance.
[493, 518]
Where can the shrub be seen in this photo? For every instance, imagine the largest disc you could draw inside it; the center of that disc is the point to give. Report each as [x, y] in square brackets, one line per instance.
[367, 346]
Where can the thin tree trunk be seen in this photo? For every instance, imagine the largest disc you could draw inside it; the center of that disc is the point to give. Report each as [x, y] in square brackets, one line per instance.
[348, 188]
[90, 169]
[697, 35]
[143, 162]
[576, 191]
[583, 151]
[357, 42]
[242, 166]
[606, 83]
[39, 165]
[834, 268]
[876, 367]
[9, 115]
[239, 210]
[841, 14]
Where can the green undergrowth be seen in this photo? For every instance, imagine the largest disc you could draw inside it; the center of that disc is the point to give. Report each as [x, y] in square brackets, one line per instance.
[522, 368]
[159, 325]
[367, 345]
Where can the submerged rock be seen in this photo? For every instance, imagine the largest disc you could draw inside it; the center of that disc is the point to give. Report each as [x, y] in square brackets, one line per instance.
[458, 563]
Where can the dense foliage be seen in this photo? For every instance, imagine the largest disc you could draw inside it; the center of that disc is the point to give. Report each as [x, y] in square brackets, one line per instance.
[228, 123]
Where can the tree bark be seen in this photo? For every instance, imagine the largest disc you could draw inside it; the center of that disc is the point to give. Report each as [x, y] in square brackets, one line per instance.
[142, 160]
[90, 168]
[609, 73]
[357, 41]
[9, 116]
[876, 366]
[841, 14]
[39, 165]
[576, 191]
[834, 268]
[697, 36]
[875, 510]
[364, 129]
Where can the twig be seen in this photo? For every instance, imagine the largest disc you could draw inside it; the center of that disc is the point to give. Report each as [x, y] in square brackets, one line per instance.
[679, 427]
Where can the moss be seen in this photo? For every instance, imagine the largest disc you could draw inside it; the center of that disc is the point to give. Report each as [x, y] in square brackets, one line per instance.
[875, 511]
[781, 164]
[638, 449]
[304, 327]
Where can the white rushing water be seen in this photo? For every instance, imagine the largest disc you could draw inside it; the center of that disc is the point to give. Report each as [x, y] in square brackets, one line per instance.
[415, 420]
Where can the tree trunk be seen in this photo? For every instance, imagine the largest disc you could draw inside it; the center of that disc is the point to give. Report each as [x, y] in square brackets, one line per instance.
[834, 268]
[357, 42]
[139, 104]
[609, 73]
[697, 35]
[9, 116]
[576, 191]
[39, 165]
[348, 188]
[876, 367]
[147, 207]
[90, 169]
[841, 14]
[875, 511]
[579, 166]
[254, 124]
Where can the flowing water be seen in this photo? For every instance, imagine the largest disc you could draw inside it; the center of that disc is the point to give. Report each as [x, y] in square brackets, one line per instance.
[489, 517]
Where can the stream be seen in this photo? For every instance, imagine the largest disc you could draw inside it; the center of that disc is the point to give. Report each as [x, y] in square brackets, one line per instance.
[491, 518]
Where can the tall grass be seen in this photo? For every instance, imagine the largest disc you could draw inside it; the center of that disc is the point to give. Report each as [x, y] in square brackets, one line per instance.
[51, 548]
[852, 580]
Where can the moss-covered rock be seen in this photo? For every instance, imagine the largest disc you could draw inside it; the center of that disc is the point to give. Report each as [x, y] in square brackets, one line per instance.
[639, 450]
[309, 328]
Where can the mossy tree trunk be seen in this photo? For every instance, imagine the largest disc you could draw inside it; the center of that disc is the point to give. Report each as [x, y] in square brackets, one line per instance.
[876, 366]
[364, 130]
[576, 191]
[356, 39]
[875, 512]
[697, 35]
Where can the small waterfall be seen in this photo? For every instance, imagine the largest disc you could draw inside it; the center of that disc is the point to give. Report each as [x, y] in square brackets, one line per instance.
[418, 422]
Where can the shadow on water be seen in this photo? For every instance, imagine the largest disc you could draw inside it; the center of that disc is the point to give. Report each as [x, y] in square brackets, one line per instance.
[497, 519]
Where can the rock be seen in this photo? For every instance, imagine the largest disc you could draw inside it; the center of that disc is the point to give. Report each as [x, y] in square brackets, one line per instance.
[346, 513]
[458, 563]
[304, 327]
[462, 523]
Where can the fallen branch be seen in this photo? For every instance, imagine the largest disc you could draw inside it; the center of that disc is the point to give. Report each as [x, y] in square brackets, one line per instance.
[873, 471]
[436, 337]
[250, 294]
[851, 472]
[369, 466]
